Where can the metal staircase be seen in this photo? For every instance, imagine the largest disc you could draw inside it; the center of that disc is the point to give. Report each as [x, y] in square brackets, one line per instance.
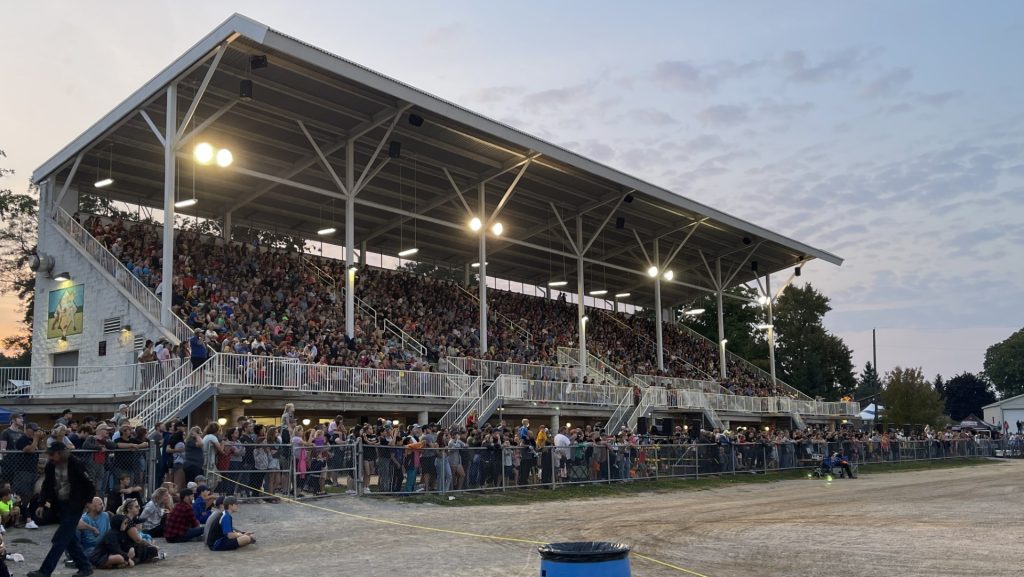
[621, 412]
[177, 395]
[798, 421]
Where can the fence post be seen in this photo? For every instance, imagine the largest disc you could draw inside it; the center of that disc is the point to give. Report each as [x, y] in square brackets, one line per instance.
[357, 463]
[443, 478]
[153, 456]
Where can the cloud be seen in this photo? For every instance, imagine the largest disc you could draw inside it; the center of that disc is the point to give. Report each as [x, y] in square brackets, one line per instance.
[559, 97]
[799, 68]
[888, 84]
[495, 93]
[699, 78]
[724, 115]
[785, 111]
[446, 35]
[939, 99]
[649, 116]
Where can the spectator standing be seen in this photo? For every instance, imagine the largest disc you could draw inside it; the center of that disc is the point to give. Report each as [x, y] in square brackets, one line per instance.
[199, 352]
[66, 489]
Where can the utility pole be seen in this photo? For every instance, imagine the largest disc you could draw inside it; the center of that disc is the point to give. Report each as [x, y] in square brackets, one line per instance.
[874, 362]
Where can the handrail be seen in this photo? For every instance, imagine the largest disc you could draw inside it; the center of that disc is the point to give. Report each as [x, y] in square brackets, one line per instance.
[685, 384]
[653, 343]
[124, 277]
[495, 315]
[460, 409]
[597, 368]
[758, 370]
[489, 369]
[82, 381]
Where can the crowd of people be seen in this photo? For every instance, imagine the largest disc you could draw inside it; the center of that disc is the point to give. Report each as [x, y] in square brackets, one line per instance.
[251, 301]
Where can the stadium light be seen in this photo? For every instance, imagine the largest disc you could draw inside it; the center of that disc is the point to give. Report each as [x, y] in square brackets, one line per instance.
[764, 326]
[597, 293]
[62, 276]
[723, 341]
[668, 275]
[203, 153]
[558, 283]
[652, 271]
[104, 182]
[409, 252]
[693, 312]
[224, 158]
[621, 295]
[497, 229]
[186, 203]
[475, 224]
[585, 319]
[327, 231]
[477, 265]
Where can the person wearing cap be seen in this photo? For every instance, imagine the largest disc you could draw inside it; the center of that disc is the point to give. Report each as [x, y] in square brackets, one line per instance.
[65, 418]
[23, 466]
[66, 489]
[223, 536]
[181, 524]
[202, 503]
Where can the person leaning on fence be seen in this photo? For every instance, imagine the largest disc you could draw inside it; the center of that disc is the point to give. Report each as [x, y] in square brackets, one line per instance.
[66, 490]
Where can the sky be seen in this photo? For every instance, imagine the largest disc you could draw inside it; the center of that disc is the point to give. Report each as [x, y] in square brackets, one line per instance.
[890, 133]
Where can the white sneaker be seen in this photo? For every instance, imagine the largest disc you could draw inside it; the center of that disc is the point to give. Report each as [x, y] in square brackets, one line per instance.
[31, 524]
[350, 492]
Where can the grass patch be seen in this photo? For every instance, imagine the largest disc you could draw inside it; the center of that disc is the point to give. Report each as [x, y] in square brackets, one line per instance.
[539, 495]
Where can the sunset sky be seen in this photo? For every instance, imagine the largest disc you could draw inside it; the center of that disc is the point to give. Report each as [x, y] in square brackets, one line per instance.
[890, 133]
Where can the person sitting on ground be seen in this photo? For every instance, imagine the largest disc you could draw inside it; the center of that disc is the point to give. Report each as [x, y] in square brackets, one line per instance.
[151, 521]
[124, 491]
[181, 524]
[202, 504]
[115, 548]
[144, 549]
[94, 523]
[214, 520]
[10, 510]
[224, 537]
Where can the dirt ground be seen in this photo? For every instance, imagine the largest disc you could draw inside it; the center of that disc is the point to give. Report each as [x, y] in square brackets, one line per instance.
[927, 523]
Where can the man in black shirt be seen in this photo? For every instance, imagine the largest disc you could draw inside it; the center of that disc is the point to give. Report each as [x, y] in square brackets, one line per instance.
[66, 489]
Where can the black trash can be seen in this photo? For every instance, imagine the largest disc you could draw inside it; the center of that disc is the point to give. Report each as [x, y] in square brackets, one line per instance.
[584, 559]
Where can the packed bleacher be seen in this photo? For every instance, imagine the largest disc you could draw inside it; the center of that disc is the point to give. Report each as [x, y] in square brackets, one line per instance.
[248, 300]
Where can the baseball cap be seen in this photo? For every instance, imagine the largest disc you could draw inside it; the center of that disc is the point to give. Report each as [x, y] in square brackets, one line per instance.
[191, 485]
[220, 501]
[185, 492]
[32, 426]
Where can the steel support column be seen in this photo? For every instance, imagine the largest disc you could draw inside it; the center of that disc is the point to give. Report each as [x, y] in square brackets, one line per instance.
[721, 319]
[580, 309]
[350, 240]
[482, 207]
[226, 229]
[170, 169]
[657, 311]
[771, 325]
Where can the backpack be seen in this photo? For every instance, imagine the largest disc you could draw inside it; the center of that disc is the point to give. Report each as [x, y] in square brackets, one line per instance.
[215, 531]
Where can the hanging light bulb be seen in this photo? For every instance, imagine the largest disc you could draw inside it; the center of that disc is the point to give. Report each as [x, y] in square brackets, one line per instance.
[475, 224]
[203, 153]
[497, 229]
[224, 158]
[668, 275]
[652, 271]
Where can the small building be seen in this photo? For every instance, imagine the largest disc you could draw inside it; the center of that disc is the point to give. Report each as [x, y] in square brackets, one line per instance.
[1005, 413]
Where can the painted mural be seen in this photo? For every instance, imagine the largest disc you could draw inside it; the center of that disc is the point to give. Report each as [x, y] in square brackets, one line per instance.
[65, 311]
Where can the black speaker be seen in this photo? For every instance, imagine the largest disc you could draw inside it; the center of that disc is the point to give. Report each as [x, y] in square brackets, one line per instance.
[258, 61]
[620, 222]
[668, 427]
[395, 149]
[245, 89]
[641, 425]
[415, 120]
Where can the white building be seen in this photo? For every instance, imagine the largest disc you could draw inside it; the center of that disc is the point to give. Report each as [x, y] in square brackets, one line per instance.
[1007, 411]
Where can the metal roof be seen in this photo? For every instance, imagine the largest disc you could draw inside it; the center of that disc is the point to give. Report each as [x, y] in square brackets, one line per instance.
[335, 100]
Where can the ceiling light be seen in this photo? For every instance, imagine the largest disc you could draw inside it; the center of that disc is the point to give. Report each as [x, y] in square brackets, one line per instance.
[203, 153]
[409, 252]
[475, 224]
[558, 283]
[668, 275]
[305, 422]
[622, 295]
[395, 422]
[186, 203]
[104, 182]
[222, 421]
[497, 229]
[326, 231]
[246, 401]
[694, 312]
[224, 158]
[652, 271]
[62, 276]
[598, 293]
[477, 265]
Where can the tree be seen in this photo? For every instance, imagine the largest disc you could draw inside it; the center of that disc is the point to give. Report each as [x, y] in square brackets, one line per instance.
[18, 242]
[868, 384]
[810, 358]
[1004, 365]
[940, 386]
[909, 399]
[966, 394]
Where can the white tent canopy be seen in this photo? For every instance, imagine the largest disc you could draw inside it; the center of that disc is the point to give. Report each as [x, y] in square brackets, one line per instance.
[870, 412]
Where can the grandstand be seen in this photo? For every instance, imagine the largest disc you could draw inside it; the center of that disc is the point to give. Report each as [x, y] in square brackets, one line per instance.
[318, 145]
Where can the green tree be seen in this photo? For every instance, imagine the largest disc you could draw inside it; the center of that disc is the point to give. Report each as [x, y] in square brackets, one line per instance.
[18, 242]
[966, 394]
[909, 399]
[868, 384]
[809, 357]
[1004, 365]
[940, 386]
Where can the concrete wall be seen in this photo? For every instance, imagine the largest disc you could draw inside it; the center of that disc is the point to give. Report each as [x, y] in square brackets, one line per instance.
[102, 300]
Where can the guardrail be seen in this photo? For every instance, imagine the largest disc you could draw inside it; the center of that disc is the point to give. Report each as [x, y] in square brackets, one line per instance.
[124, 277]
[489, 369]
[709, 387]
[83, 381]
[596, 368]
